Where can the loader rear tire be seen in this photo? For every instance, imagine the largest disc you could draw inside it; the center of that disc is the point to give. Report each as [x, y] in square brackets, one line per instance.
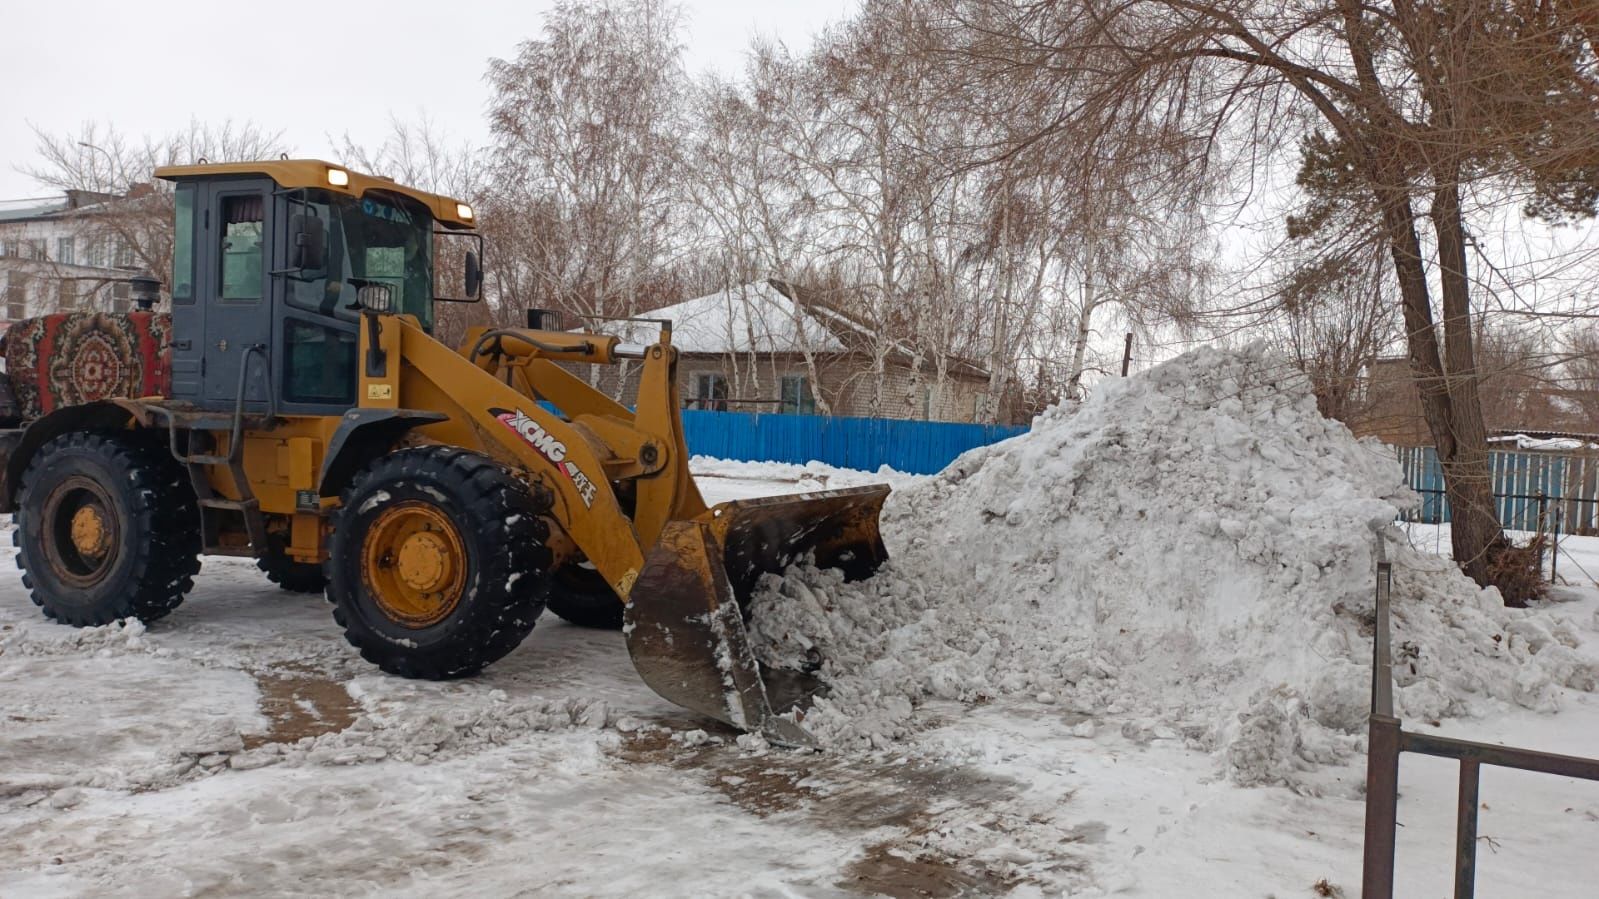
[437, 565]
[107, 528]
[580, 596]
[288, 574]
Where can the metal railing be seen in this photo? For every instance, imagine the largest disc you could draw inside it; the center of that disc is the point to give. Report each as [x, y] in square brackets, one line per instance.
[1386, 739]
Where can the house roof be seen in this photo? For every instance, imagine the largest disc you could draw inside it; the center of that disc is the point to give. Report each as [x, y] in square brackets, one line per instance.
[23, 210]
[768, 316]
[44, 208]
[749, 318]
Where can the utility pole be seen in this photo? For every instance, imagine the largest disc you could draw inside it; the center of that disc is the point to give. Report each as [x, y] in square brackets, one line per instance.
[1127, 354]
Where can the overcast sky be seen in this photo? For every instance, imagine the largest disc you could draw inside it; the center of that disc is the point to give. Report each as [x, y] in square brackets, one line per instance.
[309, 69]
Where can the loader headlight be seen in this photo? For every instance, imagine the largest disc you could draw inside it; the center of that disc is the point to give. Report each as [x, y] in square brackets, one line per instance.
[463, 211]
[338, 177]
[375, 297]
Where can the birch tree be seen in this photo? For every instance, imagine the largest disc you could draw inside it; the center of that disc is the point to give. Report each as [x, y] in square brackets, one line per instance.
[586, 125]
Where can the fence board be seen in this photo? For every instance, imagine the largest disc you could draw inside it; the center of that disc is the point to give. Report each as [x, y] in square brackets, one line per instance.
[914, 447]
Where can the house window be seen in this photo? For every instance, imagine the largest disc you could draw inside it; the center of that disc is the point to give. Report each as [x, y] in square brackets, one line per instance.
[65, 252]
[37, 249]
[66, 295]
[95, 253]
[124, 254]
[710, 392]
[797, 396]
[119, 296]
[4, 249]
[16, 297]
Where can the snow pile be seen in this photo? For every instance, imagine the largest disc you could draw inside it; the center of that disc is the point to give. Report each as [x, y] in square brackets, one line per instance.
[1190, 552]
[1550, 444]
[812, 475]
[123, 636]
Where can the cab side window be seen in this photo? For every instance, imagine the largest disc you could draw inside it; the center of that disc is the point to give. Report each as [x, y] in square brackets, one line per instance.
[243, 224]
[321, 365]
[183, 246]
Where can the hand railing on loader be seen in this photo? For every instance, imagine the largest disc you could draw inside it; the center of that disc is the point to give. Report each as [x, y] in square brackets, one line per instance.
[1387, 739]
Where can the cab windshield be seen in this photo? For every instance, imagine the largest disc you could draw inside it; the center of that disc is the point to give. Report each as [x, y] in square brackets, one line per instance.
[371, 240]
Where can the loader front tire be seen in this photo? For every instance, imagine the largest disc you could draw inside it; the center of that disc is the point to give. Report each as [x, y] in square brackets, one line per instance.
[107, 528]
[580, 596]
[437, 563]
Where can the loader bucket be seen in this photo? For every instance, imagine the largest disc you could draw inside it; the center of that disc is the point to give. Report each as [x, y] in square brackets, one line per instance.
[685, 615]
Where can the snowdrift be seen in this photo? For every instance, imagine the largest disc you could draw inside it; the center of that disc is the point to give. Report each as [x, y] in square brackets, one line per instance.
[1188, 555]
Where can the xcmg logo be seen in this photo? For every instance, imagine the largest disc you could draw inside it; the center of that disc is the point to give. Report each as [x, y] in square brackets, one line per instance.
[548, 446]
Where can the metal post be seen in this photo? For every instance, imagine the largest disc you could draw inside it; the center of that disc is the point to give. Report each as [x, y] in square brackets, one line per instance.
[1382, 676]
[1382, 807]
[1382, 751]
[1466, 831]
[1543, 519]
[1554, 555]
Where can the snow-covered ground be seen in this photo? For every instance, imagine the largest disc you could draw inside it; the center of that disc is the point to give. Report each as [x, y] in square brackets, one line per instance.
[123, 771]
[240, 747]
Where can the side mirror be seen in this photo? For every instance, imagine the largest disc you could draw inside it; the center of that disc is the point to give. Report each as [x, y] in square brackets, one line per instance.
[374, 297]
[310, 242]
[474, 275]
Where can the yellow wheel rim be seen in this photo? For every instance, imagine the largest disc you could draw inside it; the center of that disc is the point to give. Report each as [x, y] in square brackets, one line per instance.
[81, 530]
[414, 564]
[90, 536]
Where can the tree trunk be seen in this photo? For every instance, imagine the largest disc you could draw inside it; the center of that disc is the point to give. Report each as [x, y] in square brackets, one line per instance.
[1474, 519]
[1449, 399]
[1456, 425]
[1074, 376]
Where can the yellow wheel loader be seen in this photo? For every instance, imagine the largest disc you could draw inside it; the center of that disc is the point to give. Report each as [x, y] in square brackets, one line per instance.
[304, 414]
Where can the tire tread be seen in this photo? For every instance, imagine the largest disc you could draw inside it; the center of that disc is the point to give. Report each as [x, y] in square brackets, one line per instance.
[164, 532]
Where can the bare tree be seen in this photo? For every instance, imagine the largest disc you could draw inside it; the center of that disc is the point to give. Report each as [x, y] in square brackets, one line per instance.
[845, 137]
[417, 154]
[1514, 367]
[133, 227]
[1416, 102]
[1580, 379]
[586, 133]
[749, 200]
[1337, 315]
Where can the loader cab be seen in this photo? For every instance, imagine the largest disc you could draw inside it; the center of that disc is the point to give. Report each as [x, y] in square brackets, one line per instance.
[268, 262]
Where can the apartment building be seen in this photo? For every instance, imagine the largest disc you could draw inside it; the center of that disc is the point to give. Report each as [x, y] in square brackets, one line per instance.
[67, 253]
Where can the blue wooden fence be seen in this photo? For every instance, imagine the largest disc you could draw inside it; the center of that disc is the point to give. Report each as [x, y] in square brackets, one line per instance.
[1525, 485]
[914, 447]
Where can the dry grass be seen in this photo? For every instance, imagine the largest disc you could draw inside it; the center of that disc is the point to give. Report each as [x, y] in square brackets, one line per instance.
[1518, 571]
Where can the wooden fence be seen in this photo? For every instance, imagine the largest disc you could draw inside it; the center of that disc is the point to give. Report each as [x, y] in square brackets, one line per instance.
[1526, 483]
